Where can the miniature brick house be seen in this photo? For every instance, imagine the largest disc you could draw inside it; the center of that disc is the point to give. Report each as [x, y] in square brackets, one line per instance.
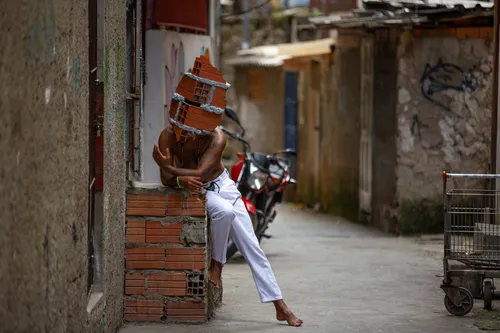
[199, 101]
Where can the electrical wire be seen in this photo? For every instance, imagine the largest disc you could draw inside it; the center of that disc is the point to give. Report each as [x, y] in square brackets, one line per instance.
[248, 10]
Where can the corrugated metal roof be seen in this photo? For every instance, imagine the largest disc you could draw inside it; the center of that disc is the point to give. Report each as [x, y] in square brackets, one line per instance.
[400, 12]
[275, 55]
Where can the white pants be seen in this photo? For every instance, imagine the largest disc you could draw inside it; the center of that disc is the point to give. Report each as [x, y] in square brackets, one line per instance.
[229, 218]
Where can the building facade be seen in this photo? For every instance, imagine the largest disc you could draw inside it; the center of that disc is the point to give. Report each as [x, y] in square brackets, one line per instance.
[74, 130]
[412, 97]
[48, 140]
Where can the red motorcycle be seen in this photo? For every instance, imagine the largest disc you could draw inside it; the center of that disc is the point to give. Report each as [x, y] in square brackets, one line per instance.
[261, 180]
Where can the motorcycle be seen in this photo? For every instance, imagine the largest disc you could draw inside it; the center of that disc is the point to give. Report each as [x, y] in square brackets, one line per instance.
[261, 180]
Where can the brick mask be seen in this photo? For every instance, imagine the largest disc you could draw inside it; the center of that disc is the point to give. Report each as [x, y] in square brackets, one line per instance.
[199, 101]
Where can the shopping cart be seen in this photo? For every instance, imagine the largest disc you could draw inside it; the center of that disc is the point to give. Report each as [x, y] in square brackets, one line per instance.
[471, 240]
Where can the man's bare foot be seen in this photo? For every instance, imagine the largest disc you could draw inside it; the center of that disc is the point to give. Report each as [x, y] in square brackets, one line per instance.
[215, 274]
[283, 313]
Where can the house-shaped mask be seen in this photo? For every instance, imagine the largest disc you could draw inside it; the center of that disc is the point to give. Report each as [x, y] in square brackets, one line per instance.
[199, 101]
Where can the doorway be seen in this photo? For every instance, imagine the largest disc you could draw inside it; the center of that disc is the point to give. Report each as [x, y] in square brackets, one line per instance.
[366, 140]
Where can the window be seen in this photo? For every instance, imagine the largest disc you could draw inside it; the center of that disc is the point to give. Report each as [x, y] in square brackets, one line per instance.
[201, 92]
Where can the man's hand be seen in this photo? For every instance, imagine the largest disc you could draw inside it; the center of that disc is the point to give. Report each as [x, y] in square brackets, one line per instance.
[193, 184]
[164, 161]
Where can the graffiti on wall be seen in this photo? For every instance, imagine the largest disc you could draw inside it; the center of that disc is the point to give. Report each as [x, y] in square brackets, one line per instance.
[437, 80]
[417, 125]
[182, 49]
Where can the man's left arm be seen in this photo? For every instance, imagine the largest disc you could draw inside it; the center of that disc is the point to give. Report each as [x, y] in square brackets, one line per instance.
[209, 161]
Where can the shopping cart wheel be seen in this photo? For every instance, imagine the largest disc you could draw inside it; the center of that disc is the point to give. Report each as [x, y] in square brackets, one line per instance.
[464, 307]
[488, 295]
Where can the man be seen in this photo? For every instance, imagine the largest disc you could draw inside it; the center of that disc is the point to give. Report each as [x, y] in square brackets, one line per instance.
[190, 157]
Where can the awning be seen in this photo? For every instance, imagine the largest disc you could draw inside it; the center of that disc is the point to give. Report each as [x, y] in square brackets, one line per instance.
[275, 55]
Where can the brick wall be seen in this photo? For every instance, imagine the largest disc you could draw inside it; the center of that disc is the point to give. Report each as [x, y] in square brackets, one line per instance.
[166, 258]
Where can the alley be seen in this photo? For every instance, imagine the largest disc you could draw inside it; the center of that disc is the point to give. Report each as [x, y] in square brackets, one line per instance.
[338, 277]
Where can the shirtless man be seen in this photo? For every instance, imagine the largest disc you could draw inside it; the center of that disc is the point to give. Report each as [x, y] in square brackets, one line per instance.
[196, 165]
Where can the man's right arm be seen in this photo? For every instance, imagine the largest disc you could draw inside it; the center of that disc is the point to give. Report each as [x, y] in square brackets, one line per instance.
[167, 179]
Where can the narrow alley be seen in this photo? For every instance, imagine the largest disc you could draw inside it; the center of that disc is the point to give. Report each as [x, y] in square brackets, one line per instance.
[338, 277]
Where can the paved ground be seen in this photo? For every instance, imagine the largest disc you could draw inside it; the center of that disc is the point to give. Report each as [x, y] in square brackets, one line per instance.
[338, 277]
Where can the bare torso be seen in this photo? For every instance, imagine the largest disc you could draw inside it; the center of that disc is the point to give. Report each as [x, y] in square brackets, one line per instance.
[188, 154]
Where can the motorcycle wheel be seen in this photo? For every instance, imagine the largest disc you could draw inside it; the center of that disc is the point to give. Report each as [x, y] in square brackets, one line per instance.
[231, 246]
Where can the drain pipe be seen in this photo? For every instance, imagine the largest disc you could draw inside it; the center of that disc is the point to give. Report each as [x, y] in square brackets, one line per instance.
[140, 81]
[495, 104]
[128, 84]
[496, 92]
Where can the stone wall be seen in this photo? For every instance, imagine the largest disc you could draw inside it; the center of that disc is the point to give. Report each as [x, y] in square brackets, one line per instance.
[167, 258]
[443, 113]
[44, 175]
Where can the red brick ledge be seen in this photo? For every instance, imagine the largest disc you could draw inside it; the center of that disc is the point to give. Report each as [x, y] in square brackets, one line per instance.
[166, 258]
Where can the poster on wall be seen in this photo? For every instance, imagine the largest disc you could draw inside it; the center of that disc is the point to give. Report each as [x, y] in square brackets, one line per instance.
[180, 52]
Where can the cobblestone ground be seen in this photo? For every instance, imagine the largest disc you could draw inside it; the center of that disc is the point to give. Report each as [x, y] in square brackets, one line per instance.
[338, 277]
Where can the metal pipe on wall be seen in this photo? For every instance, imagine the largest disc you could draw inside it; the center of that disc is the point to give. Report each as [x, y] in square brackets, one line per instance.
[128, 81]
[496, 92]
[495, 154]
[142, 81]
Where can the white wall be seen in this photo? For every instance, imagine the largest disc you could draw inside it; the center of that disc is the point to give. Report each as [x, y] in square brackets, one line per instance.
[168, 55]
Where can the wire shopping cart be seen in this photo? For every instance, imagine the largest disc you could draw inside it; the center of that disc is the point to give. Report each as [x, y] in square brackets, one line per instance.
[471, 240]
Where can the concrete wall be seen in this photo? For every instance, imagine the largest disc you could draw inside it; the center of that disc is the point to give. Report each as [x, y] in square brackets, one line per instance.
[443, 112]
[114, 169]
[332, 137]
[44, 130]
[328, 155]
[342, 132]
[315, 97]
[384, 159]
[262, 120]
